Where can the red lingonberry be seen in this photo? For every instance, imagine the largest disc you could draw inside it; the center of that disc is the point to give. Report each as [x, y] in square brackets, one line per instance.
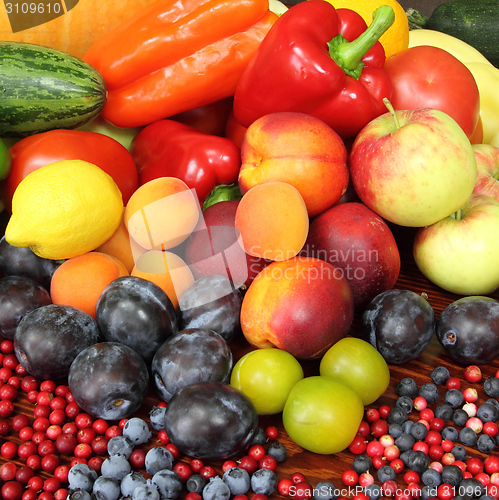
[473, 374]
[83, 420]
[228, 464]
[379, 428]
[284, 487]
[453, 383]
[397, 464]
[474, 465]
[271, 432]
[491, 464]
[298, 477]
[173, 450]
[100, 426]
[248, 463]
[207, 471]
[267, 462]
[426, 414]
[8, 450]
[256, 451]
[183, 470]
[391, 452]
[358, 445]
[384, 411]
[372, 414]
[350, 477]
[138, 458]
[95, 463]
[366, 479]
[196, 465]
[50, 462]
[411, 477]
[302, 491]
[364, 429]
[19, 421]
[374, 447]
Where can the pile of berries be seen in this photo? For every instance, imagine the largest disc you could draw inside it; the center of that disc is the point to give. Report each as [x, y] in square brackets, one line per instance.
[434, 443]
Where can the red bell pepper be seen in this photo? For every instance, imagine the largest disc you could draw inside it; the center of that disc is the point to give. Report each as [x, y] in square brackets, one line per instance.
[168, 148]
[321, 61]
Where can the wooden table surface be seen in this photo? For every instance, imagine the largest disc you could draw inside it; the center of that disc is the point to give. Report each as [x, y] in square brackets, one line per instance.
[330, 467]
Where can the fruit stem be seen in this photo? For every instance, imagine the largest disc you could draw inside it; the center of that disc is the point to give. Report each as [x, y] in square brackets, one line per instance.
[458, 215]
[389, 106]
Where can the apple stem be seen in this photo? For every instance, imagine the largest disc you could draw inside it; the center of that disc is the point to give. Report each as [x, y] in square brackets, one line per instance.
[458, 214]
[389, 106]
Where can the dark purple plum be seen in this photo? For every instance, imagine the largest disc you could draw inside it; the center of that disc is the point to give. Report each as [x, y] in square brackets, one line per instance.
[213, 303]
[400, 324]
[137, 313]
[48, 339]
[468, 330]
[193, 355]
[210, 420]
[109, 380]
[19, 295]
[22, 261]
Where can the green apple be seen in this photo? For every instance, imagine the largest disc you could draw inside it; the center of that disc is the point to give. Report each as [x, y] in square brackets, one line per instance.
[322, 414]
[359, 365]
[123, 135]
[267, 376]
[460, 253]
[413, 167]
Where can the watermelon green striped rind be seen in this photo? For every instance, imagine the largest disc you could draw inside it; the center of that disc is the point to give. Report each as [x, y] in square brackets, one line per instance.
[43, 89]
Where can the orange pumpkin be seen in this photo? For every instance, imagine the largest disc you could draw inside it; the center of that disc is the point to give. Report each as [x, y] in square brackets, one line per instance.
[82, 24]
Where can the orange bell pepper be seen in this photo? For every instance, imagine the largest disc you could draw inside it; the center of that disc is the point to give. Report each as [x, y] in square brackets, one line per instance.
[176, 56]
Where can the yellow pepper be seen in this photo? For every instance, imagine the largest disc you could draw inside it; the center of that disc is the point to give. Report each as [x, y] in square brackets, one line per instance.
[486, 75]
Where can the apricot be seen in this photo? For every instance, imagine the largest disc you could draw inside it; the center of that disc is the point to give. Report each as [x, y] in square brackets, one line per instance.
[298, 149]
[79, 281]
[165, 269]
[302, 305]
[122, 247]
[272, 221]
[162, 213]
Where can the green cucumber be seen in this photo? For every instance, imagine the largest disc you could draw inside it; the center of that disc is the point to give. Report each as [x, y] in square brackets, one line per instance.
[472, 22]
[43, 89]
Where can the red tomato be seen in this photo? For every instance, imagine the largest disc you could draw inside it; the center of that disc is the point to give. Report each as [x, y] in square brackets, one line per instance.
[38, 150]
[430, 77]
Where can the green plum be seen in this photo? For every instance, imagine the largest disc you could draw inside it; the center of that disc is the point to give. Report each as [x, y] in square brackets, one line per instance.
[359, 365]
[267, 376]
[322, 414]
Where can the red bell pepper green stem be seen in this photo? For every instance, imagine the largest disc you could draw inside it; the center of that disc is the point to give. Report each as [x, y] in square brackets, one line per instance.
[348, 55]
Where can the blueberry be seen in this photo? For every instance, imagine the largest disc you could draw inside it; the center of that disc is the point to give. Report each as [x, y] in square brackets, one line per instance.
[406, 403]
[487, 412]
[216, 489]
[277, 450]
[264, 481]
[450, 433]
[386, 473]
[146, 491]
[485, 443]
[195, 483]
[116, 467]
[395, 430]
[168, 483]
[259, 437]
[407, 387]
[459, 452]
[491, 387]
[81, 477]
[238, 480]
[130, 482]
[471, 488]
[440, 375]
[405, 442]
[430, 392]
[460, 417]
[431, 477]
[407, 426]
[325, 490]
[444, 411]
[137, 430]
[468, 437]
[419, 431]
[451, 474]
[373, 491]
[397, 416]
[79, 495]
[405, 456]
[362, 463]
[419, 461]
[454, 398]
[105, 488]
[120, 445]
[157, 417]
[493, 402]
[158, 458]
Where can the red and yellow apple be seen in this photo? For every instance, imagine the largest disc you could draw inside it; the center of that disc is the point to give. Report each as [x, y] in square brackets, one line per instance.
[413, 167]
[357, 241]
[460, 253]
[301, 305]
[298, 149]
[487, 166]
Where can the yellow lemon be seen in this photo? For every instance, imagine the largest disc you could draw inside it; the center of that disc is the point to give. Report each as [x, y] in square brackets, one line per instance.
[396, 37]
[64, 209]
